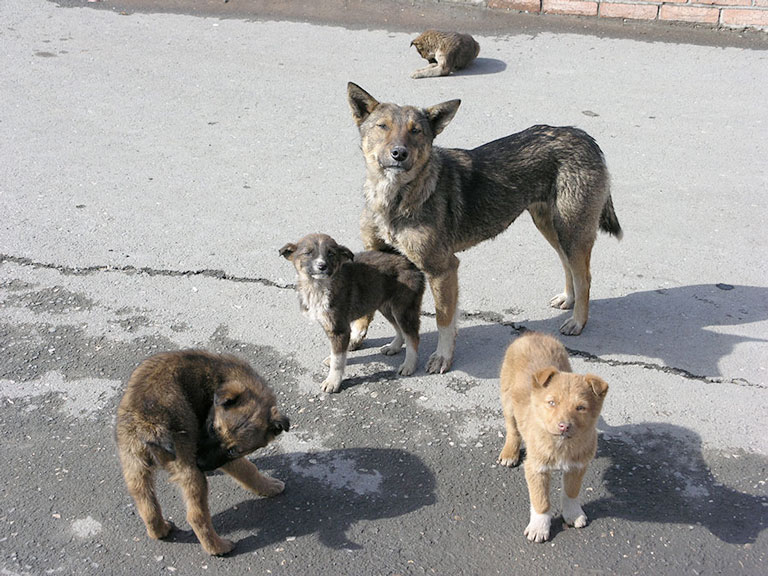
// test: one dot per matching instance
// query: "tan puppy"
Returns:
(555, 413)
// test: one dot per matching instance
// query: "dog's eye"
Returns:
(580, 408)
(233, 452)
(416, 130)
(381, 125)
(552, 403)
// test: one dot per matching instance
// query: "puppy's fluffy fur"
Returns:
(555, 413)
(336, 287)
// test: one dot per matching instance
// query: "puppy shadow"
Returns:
(327, 493)
(657, 473)
(483, 66)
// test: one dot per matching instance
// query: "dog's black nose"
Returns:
(399, 153)
(321, 265)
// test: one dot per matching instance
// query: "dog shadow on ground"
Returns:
(657, 473)
(327, 493)
(483, 66)
(678, 327)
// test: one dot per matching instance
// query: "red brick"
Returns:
(689, 14)
(572, 7)
(725, 2)
(520, 5)
(736, 17)
(630, 11)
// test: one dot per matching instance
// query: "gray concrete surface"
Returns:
(151, 165)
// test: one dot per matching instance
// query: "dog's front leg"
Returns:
(573, 514)
(538, 490)
(339, 345)
(445, 290)
(248, 476)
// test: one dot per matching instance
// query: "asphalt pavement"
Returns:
(154, 156)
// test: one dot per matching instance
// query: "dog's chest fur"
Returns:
(314, 296)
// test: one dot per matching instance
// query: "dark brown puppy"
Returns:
(445, 51)
(429, 203)
(335, 287)
(190, 411)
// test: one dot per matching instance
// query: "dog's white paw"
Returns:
(390, 350)
(562, 301)
(538, 527)
(438, 364)
(508, 462)
(571, 327)
(573, 514)
(331, 385)
(406, 368)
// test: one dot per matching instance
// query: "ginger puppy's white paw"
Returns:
(538, 527)
(573, 514)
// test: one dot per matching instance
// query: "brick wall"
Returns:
(726, 13)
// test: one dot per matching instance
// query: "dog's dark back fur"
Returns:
(196, 406)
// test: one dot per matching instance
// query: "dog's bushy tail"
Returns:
(609, 222)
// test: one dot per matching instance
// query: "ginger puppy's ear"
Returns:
(598, 385)
(543, 377)
(287, 251)
(345, 254)
(361, 103)
(441, 114)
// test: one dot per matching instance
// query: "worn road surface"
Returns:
(154, 156)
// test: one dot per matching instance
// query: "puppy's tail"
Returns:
(609, 222)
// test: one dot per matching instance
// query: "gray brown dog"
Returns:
(429, 203)
(445, 52)
(190, 411)
(336, 286)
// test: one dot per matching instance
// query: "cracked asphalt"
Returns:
(154, 156)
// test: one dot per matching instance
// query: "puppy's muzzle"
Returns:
(319, 269)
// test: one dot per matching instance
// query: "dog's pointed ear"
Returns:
(277, 422)
(542, 378)
(598, 385)
(361, 103)
(441, 114)
(346, 254)
(287, 251)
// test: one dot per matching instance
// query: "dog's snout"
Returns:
(564, 426)
(321, 265)
(399, 153)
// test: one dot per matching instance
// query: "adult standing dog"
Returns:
(429, 202)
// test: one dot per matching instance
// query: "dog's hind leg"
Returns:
(248, 476)
(396, 345)
(445, 291)
(139, 479)
(194, 487)
(578, 261)
(359, 330)
(542, 218)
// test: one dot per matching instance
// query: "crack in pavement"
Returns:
(491, 317)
